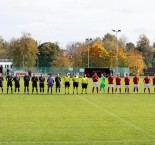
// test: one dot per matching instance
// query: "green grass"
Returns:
(96, 119)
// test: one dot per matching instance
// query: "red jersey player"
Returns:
(127, 83)
(153, 80)
(146, 83)
(118, 83)
(135, 81)
(95, 82)
(110, 83)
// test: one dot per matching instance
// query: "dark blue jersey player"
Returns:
(26, 83)
(41, 83)
(1, 81)
(34, 80)
(9, 80)
(58, 82)
(17, 83)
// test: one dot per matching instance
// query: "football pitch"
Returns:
(83, 119)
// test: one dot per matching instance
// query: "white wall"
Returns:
(6, 65)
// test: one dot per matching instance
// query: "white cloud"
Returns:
(74, 20)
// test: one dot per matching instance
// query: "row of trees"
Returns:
(100, 57)
(102, 52)
(26, 52)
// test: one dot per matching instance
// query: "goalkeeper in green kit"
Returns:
(102, 84)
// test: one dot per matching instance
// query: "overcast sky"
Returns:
(67, 21)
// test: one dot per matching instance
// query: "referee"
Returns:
(84, 83)
(67, 82)
(75, 80)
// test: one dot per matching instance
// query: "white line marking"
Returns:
(76, 142)
(116, 116)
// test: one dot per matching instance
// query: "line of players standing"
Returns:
(75, 79)
(41, 80)
(111, 78)
(27, 79)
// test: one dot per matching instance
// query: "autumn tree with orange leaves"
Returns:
(122, 58)
(135, 61)
(98, 56)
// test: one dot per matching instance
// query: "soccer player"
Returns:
(118, 83)
(34, 80)
(110, 83)
(26, 83)
(135, 81)
(7, 71)
(67, 82)
(95, 79)
(58, 82)
(50, 82)
(147, 83)
(153, 80)
(9, 80)
(17, 83)
(1, 69)
(41, 83)
(102, 84)
(127, 82)
(1, 82)
(84, 83)
(29, 72)
(75, 80)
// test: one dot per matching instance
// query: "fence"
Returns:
(47, 70)
(122, 70)
(61, 70)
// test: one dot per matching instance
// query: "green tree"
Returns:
(61, 60)
(1, 43)
(23, 51)
(3, 48)
(143, 45)
(130, 46)
(153, 60)
(47, 53)
(80, 56)
(122, 43)
(109, 41)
